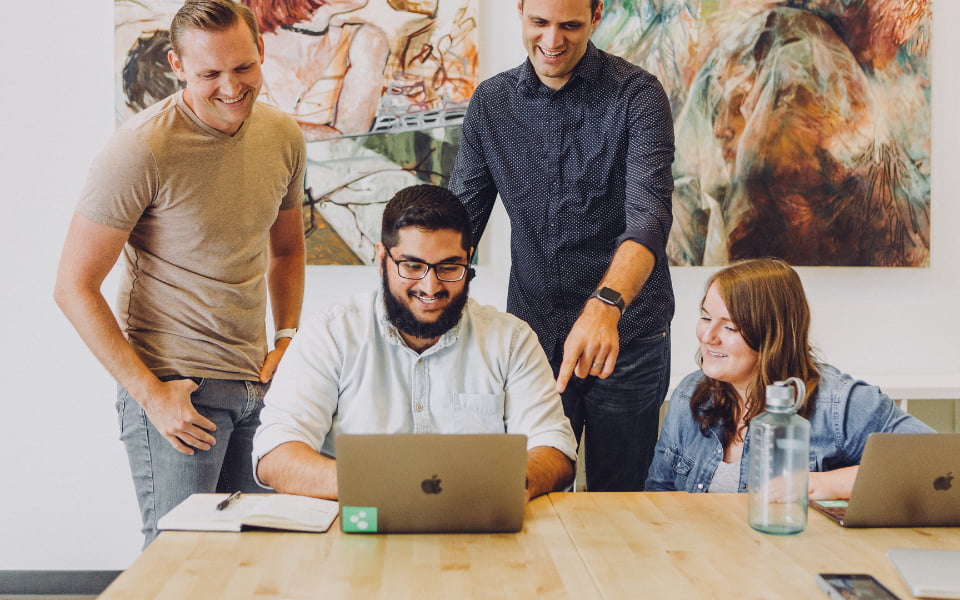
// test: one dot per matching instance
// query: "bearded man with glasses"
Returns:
(415, 356)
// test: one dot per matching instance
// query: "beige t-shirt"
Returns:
(199, 205)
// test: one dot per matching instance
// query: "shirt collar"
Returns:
(392, 334)
(589, 69)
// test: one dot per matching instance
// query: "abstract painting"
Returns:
(378, 87)
(802, 126)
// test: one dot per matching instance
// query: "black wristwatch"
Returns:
(610, 296)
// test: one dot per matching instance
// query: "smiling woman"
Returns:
(754, 330)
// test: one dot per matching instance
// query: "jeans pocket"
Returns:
(122, 397)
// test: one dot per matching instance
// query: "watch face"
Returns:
(609, 296)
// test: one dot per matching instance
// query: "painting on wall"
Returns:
(802, 126)
(378, 87)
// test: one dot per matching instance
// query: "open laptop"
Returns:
(905, 480)
(419, 483)
(928, 573)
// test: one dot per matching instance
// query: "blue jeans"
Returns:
(621, 414)
(164, 477)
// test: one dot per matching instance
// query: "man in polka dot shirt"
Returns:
(578, 144)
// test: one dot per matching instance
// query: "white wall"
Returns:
(66, 500)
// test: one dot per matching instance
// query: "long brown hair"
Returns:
(765, 299)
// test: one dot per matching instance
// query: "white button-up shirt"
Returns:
(349, 371)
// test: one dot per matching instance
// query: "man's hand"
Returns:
(174, 416)
(593, 344)
(272, 361)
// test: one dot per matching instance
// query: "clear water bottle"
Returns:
(779, 467)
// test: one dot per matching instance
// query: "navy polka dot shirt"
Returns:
(579, 170)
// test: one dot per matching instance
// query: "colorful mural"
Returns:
(803, 126)
(379, 88)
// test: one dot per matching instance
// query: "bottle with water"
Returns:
(779, 462)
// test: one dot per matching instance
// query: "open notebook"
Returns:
(905, 480)
(416, 483)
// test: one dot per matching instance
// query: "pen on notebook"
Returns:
(226, 501)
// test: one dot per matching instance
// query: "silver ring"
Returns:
(597, 365)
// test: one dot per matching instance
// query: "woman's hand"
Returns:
(832, 485)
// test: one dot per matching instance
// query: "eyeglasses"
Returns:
(413, 269)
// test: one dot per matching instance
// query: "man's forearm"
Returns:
(629, 269)
(296, 468)
(285, 270)
(89, 253)
(91, 316)
(548, 470)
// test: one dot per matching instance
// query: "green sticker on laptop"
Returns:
(358, 519)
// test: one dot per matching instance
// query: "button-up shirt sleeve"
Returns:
(470, 179)
(532, 405)
(303, 397)
(649, 176)
(847, 412)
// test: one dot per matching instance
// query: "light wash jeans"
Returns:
(164, 477)
(621, 414)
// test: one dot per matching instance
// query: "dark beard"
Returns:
(404, 320)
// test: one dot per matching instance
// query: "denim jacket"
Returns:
(845, 412)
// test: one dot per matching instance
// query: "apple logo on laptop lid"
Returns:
(431, 486)
(944, 482)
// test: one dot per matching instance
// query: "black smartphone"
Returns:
(858, 586)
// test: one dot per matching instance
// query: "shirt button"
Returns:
(699, 486)
(419, 408)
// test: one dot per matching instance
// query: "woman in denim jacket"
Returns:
(753, 330)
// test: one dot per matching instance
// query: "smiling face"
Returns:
(725, 354)
(555, 35)
(222, 73)
(423, 309)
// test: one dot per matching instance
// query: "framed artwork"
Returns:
(802, 126)
(379, 88)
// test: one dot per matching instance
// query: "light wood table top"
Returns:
(679, 545)
(573, 545)
(538, 562)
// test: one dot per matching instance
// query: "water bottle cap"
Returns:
(780, 395)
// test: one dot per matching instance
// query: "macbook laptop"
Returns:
(419, 483)
(928, 573)
(905, 480)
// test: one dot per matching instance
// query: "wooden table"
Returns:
(538, 562)
(577, 545)
(679, 545)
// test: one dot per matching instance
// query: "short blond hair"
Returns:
(210, 15)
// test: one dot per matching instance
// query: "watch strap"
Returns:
(602, 294)
(284, 333)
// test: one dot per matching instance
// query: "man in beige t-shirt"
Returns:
(201, 195)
